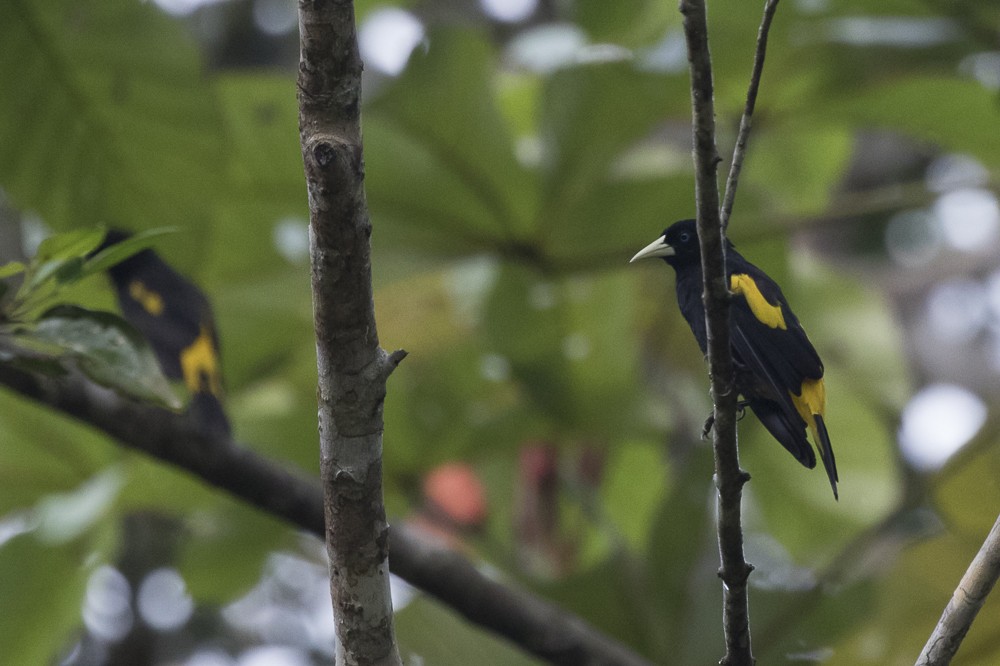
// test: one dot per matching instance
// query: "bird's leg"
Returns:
(741, 410)
(706, 430)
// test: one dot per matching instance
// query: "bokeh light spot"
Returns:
(937, 422)
(957, 310)
(387, 38)
(107, 604)
(509, 11)
(163, 600)
(970, 219)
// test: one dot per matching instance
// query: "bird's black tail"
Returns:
(790, 432)
(826, 452)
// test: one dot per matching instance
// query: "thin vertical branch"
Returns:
(965, 603)
(352, 367)
(744, 133)
(729, 478)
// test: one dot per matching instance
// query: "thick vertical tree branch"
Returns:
(729, 478)
(744, 133)
(965, 603)
(353, 369)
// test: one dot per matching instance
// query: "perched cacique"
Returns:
(777, 370)
(176, 318)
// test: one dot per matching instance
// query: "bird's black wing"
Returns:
(773, 356)
(761, 313)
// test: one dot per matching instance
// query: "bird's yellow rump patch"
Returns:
(811, 402)
(765, 312)
(150, 301)
(200, 364)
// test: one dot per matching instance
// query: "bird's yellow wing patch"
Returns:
(765, 312)
(150, 301)
(200, 364)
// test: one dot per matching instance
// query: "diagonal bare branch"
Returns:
(532, 623)
(969, 597)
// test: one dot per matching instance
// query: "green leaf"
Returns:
(563, 341)
(11, 268)
(209, 569)
(794, 164)
(107, 349)
(121, 251)
(69, 245)
(65, 516)
(424, 154)
(594, 173)
(633, 489)
(525, 324)
(44, 452)
(22, 349)
(422, 624)
(959, 115)
(41, 592)
(629, 22)
(123, 126)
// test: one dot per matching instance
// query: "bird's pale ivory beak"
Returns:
(657, 248)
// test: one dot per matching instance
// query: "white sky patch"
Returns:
(953, 171)
(993, 293)
(402, 593)
(984, 67)
(291, 238)
(895, 31)
(668, 55)
(937, 422)
(969, 218)
(212, 657)
(182, 7)
(289, 606)
(509, 11)
(274, 655)
(163, 600)
(275, 17)
(912, 238)
(957, 310)
(107, 606)
(387, 38)
(546, 48)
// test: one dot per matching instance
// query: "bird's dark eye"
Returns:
(685, 237)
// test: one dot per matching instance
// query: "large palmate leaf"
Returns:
(106, 118)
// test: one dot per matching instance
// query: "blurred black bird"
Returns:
(778, 372)
(176, 318)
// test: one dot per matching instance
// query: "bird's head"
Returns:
(678, 245)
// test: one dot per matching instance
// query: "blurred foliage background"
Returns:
(546, 422)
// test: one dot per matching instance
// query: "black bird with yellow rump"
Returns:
(777, 370)
(176, 318)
